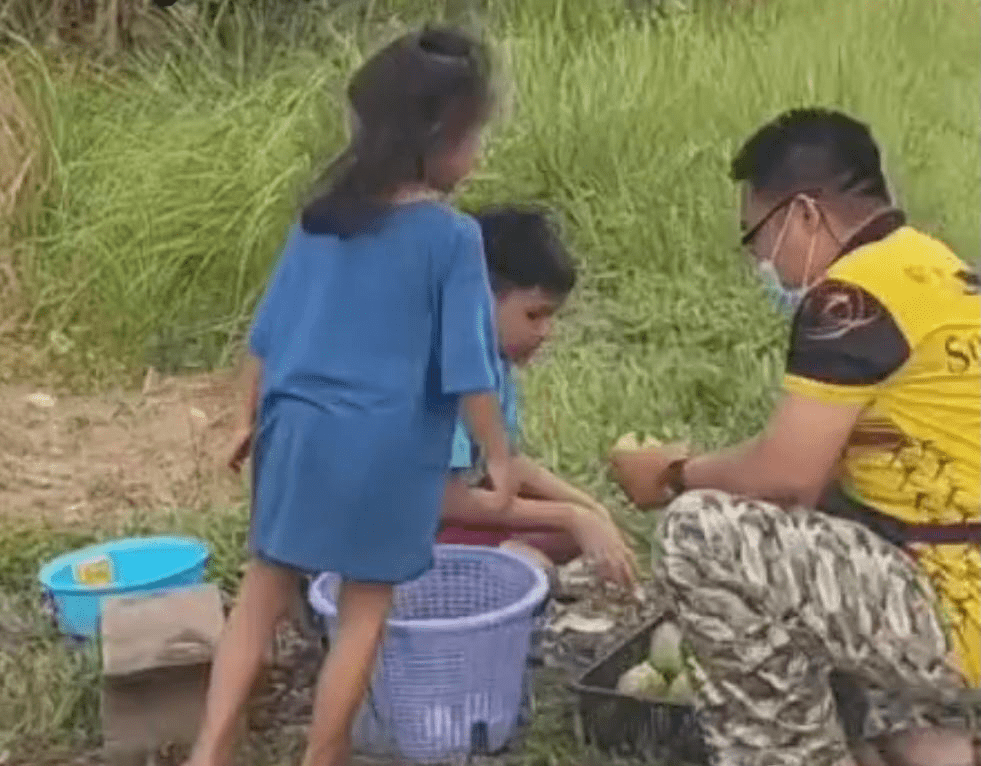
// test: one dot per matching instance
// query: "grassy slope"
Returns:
(177, 187)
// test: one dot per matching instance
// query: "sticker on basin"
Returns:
(94, 572)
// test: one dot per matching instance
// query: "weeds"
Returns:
(172, 184)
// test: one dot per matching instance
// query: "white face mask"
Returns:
(788, 299)
(785, 299)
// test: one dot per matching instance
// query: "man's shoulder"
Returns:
(844, 335)
(905, 261)
(916, 278)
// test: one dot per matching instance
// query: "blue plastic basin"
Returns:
(139, 564)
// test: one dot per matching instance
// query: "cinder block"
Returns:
(156, 656)
(150, 632)
(141, 715)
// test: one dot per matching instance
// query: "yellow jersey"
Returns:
(895, 326)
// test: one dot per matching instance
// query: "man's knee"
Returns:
(693, 526)
(686, 518)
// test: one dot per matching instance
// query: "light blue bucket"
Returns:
(133, 565)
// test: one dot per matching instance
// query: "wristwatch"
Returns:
(674, 476)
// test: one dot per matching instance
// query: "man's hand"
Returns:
(641, 472)
(241, 446)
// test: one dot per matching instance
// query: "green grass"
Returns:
(176, 183)
(48, 690)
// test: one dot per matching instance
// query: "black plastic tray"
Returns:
(630, 727)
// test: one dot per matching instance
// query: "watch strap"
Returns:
(675, 476)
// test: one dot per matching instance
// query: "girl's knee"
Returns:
(267, 591)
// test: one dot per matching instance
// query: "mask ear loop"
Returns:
(775, 252)
(811, 247)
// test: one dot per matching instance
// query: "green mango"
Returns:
(642, 681)
(666, 655)
(681, 691)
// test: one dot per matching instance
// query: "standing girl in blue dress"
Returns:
(375, 327)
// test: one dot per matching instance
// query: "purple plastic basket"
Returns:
(450, 678)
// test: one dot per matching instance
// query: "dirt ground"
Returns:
(78, 458)
(96, 458)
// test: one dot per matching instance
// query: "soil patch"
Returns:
(77, 458)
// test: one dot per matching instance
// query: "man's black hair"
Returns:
(812, 150)
(524, 250)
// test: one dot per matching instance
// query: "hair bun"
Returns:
(448, 45)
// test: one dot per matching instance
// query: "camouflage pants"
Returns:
(774, 605)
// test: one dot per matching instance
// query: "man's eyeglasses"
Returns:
(750, 234)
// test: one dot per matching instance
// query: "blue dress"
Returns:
(366, 346)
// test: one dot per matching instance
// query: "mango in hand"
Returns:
(632, 441)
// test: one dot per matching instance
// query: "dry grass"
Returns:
(25, 170)
(25, 164)
(103, 28)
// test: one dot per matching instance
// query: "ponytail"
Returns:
(402, 100)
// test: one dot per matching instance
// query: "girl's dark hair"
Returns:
(425, 88)
(524, 250)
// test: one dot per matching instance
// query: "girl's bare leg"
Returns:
(344, 679)
(263, 601)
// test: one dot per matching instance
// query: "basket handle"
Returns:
(539, 610)
(479, 739)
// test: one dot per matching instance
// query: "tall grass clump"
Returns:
(102, 29)
(25, 171)
(164, 191)
(178, 184)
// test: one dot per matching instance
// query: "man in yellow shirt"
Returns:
(848, 634)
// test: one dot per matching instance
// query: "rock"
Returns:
(41, 400)
(579, 624)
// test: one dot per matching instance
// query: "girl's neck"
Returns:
(410, 193)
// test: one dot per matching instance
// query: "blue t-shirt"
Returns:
(366, 346)
(466, 454)
(380, 312)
